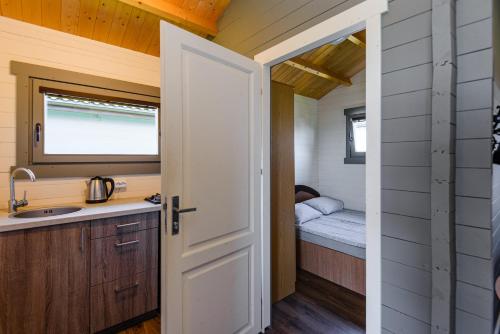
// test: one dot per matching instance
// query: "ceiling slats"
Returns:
(133, 24)
(317, 72)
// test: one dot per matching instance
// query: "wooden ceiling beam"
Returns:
(320, 71)
(176, 14)
(353, 39)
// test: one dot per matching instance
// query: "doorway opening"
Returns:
(365, 16)
(318, 198)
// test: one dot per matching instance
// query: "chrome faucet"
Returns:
(13, 203)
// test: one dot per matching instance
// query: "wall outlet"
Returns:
(121, 185)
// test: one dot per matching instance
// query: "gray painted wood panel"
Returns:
(473, 153)
(475, 66)
(249, 27)
(473, 212)
(409, 253)
(406, 178)
(406, 302)
(274, 30)
(474, 124)
(407, 55)
(475, 300)
(409, 30)
(413, 154)
(406, 228)
(406, 203)
(416, 128)
(406, 277)
(472, 37)
(467, 323)
(397, 322)
(474, 270)
(473, 241)
(407, 80)
(402, 9)
(407, 105)
(474, 95)
(471, 11)
(473, 182)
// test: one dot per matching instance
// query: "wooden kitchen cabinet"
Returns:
(44, 280)
(79, 277)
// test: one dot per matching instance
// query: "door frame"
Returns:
(367, 14)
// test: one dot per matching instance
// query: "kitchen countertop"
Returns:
(112, 208)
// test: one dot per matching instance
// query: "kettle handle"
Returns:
(112, 182)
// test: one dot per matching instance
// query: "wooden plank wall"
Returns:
(283, 255)
(406, 159)
(249, 27)
(37, 45)
(474, 295)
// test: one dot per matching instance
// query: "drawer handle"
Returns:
(135, 285)
(133, 242)
(127, 225)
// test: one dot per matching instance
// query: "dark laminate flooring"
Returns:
(318, 306)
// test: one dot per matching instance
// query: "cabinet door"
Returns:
(44, 280)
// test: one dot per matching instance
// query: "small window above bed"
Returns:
(355, 135)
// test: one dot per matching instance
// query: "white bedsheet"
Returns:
(345, 226)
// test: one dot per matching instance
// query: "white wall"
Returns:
(306, 141)
(37, 45)
(336, 179)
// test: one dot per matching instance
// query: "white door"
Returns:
(211, 140)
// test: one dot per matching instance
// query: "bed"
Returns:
(333, 246)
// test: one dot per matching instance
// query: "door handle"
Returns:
(176, 211)
(184, 210)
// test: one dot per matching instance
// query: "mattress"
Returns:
(343, 231)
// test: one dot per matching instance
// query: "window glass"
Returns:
(84, 126)
(359, 134)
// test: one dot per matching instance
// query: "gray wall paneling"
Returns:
(406, 162)
(474, 295)
(442, 175)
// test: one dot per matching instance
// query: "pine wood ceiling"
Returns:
(132, 24)
(317, 72)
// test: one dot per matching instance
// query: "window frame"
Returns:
(351, 156)
(34, 80)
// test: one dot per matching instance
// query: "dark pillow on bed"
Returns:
(305, 213)
(325, 205)
(303, 193)
(302, 196)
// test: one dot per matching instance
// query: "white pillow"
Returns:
(325, 205)
(304, 213)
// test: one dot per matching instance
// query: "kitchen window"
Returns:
(88, 126)
(355, 135)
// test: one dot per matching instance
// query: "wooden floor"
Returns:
(317, 306)
(152, 326)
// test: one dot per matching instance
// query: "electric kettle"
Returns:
(98, 191)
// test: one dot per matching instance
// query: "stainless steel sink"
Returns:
(46, 212)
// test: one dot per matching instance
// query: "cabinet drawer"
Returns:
(107, 227)
(123, 255)
(123, 299)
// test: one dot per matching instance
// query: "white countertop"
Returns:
(112, 208)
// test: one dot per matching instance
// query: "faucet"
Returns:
(13, 203)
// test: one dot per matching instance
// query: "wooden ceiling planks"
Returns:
(341, 61)
(123, 23)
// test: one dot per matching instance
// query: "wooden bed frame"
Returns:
(340, 268)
